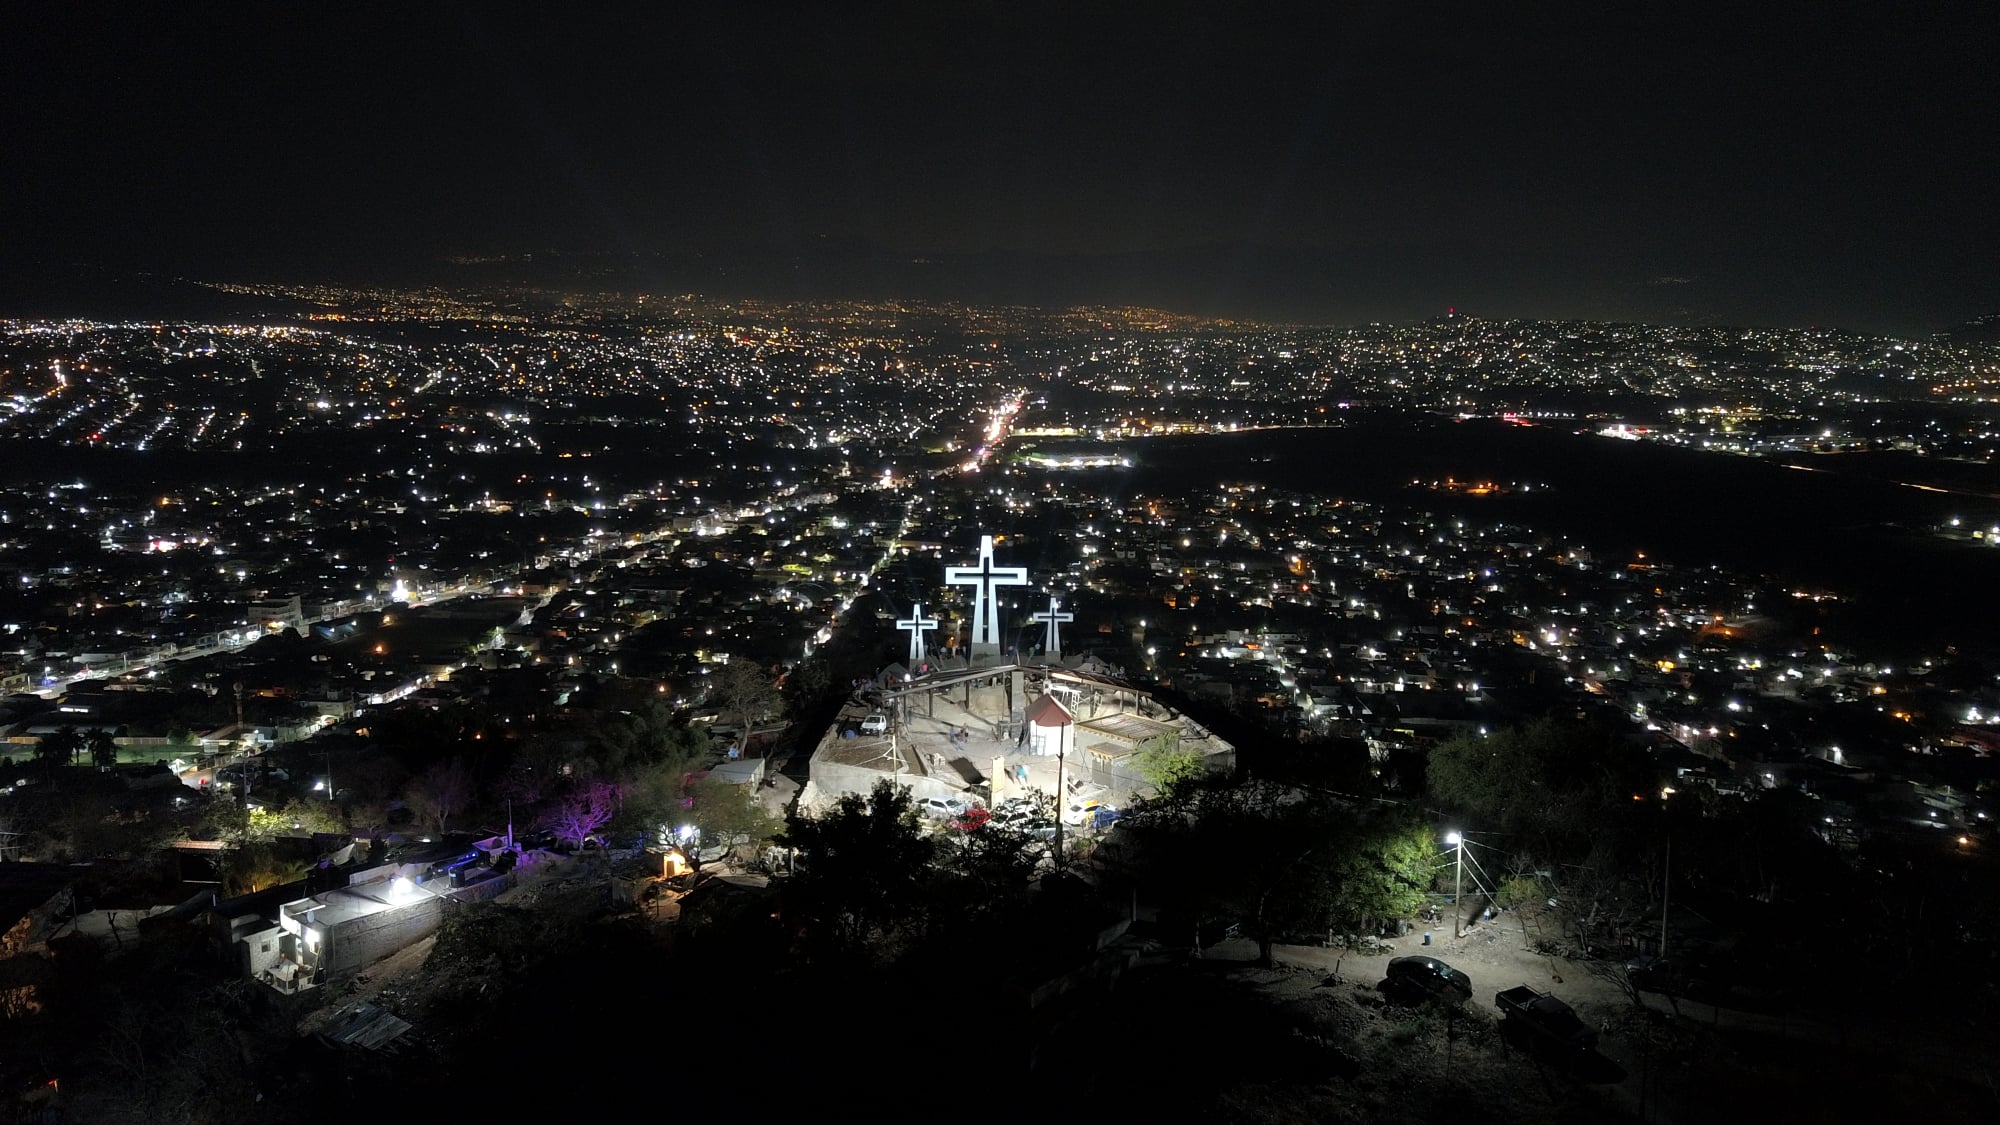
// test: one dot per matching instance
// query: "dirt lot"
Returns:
(1310, 1046)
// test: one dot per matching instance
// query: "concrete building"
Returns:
(322, 936)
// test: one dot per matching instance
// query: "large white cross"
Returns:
(983, 578)
(1052, 641)
(915, 625)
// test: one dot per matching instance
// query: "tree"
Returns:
(807, 685)
(860, 875)
(311, 816)
(103, 749)
(1261, 854)
(725, 813)
(746, 693)
(374, 779)
(255, 867)
(218, 818)
(537, 771)
(260, 824)
(978, 876)
(89, 824)
(166, 1052)
(1385, 873)
(652, 734)
(1762, 848)
(1162, 763)
(1294, 847)
(57, 748)
(582, 812)
(442, 792)
(655, 800)
(1552, 785)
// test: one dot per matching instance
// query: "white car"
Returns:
(1026, 823)
(1085, 811)
(944, 806)
(878, 723)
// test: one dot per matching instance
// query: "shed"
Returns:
(740, 771)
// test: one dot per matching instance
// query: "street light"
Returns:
(1666, 879)
(1457, 843)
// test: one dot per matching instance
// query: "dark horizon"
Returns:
(1774, 167)
(86, 290)
(1245, 284)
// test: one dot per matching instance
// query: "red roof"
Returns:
(1047, 712)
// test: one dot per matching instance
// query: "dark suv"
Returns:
(1415, 979)
(1676, 977)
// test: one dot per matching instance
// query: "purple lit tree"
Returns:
(585, 810)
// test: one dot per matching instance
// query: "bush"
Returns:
(1515, 890)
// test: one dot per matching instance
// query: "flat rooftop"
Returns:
(348, 903)
(1127, 726)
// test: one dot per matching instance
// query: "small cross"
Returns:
(915, 625)
(1054, 618)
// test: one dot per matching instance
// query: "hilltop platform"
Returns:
(960, 732)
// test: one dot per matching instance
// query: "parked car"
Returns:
(1418, 978)
(1028, 822)
(944, 806)
(877, 723)
(1676, 977)
(455, 864)
(1544, 1018)
(1084, 811)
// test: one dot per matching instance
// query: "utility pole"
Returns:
(1667, 880)
(1061, 793)
(1457, 841)
(1667, 895)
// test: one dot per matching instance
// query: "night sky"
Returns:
(1750, 163)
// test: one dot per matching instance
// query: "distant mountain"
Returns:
(1335, 286)
(1248, 282)
(1396, 283)
(58, 290)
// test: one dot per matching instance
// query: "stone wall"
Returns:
(829, 780)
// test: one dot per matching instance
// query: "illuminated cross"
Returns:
(1052, 642)
(985, 606)
(915, 626)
